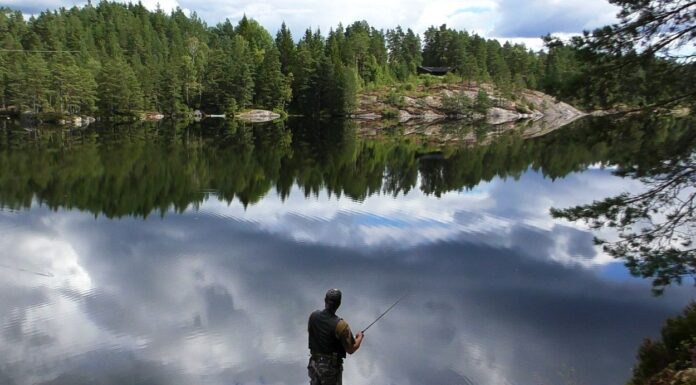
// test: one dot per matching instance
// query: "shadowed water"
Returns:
(163, 254)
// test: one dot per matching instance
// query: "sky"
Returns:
(514, 20)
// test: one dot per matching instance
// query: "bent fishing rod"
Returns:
(385, 312)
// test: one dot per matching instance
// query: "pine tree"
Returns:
(119, 90)
(286, 48)
(170, 93)
(271, 85)
(35, 83)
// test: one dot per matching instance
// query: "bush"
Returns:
(522, 109)
(283, 114)
(390, 113)
(429, 80)
(232, 108)
(675, 351)
(457, 104)
(51, 117)
(483, 102)
(451, 78)
(395, 99)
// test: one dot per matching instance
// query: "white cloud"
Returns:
(504, 19)
(497, 213)
(223, 294)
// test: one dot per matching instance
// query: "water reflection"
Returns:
(137, 170)
(202, 298)
(220, 293)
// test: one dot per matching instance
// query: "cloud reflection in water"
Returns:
(501, 293)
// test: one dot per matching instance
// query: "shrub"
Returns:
(395, 98)
(51, 117)
(232, 108)
(676, 350)
(390, 113)
(483, 102)
(429, 80)
(451, 78)
(283, 114)
(522, 109)
(457, 104)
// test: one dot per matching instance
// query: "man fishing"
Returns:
(330, 338)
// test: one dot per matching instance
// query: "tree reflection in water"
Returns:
(498, 296)
(656, 226)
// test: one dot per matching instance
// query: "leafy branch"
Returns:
(656, 228)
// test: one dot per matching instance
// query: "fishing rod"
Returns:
(385, 312)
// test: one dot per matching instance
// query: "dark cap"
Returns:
(333, 296)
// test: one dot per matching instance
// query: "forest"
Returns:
(118, 60)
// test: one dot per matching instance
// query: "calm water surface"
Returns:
(164, 254)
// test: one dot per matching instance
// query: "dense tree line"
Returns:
(115, 59)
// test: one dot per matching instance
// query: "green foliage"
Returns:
(654, 226)
(180, 64)
(390, 113)
(118, 89)
(451, 78)
(34, 84)
(674, 351)
(51, 117)
(232, 108)
(286, 49)
(283, 114)
(395, 98)
(429, 80)
(154, 167)
(637, 62)
(75, 87)
(483, 102)
(272, 87)
(457, 104)
(522, 109)
(173, 63)
(171, 101)
(404, 52)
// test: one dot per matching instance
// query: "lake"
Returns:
(193, 253)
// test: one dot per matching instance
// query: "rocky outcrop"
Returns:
(498, 121)
(497, 115)
(428, 104)
(152, 116)
(257, 116)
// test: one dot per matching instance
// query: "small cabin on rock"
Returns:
(437, 71)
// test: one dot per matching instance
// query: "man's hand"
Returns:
(358, 340)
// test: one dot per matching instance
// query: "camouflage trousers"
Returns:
(325, 371)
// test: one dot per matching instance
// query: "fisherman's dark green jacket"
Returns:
(329, 334)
